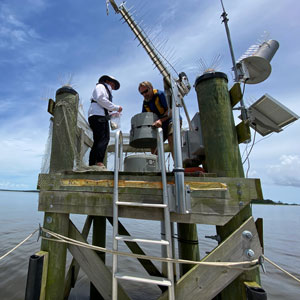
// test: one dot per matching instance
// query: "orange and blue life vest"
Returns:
(158, 104)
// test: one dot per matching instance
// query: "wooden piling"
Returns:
(99, 239)
(188, 247)
(62, 158)
(63, 149)
(222, 155)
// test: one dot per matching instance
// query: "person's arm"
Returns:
(101, 96)
(167, 115)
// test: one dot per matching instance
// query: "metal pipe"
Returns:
(191, 128)
(236, 79)
(118, 141)
(178, 166)
(167, 221)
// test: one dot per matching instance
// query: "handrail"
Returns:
(167, 221)
(118, 165)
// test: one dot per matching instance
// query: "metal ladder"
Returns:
(116, 274)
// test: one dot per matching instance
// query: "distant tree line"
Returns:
(269, 201)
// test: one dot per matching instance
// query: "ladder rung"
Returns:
(149, 279)
(142, 204)
(139, 240)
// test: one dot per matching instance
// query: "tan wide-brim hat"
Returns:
(110, 78)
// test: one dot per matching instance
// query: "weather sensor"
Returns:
(254, 66)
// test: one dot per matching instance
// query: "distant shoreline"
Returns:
(30, 191)
(271, 202)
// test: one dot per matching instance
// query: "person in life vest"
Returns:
(155, 101)
(98, 118)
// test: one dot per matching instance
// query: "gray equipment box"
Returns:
(193, 149)
(142, 134)
(141, 163)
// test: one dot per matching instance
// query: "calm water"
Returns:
(19, 217)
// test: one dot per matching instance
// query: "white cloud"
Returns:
(12, 185)
(22, 145)
(13, 30)
(287, 171)
(194, 29)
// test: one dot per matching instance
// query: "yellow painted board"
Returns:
(141, 184)
(252, 284)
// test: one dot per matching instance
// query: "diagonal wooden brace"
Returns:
(205, 282)
(97, 272)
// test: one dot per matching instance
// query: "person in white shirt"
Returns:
(98, 117)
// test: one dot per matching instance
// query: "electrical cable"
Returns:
(253, 143)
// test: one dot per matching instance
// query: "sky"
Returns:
(46, 44)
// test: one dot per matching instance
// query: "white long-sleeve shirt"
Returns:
(100, 95)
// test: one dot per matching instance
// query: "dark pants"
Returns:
(100, 128)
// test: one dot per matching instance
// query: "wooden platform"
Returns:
(214, 200)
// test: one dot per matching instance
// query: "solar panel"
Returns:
(268, 115)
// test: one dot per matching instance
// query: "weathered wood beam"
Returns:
(243, 132)
(213, 200)
(205, 282)
(235, 94)
(74, 266)
(94, 268)
(135, 248)
(99, 239)
(56, 222)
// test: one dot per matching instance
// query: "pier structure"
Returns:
(220, 197)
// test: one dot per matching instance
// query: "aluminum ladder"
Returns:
(116, 274)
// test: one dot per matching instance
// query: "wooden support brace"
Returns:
(243, 132)
(260, 230)
(97, 272)
(135, 248)
(235, 94)
(205, 282)
(51, 106)
(74, 266)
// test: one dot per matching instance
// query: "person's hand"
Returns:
(120, 109)
(157, 124)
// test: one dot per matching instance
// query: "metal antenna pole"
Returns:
(225, 21)
(176, 99)
(236, 76)
(144, 41)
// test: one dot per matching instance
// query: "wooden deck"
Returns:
(214, 200)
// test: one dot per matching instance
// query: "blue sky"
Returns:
(46, 44)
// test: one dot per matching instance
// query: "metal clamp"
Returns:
(214, 237)
(261, 261)
(40, 232)
(172, 199)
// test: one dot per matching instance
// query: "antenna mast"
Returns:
(143, 39)
(177, 89)
(236, 75)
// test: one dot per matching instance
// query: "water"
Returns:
(19, 217)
